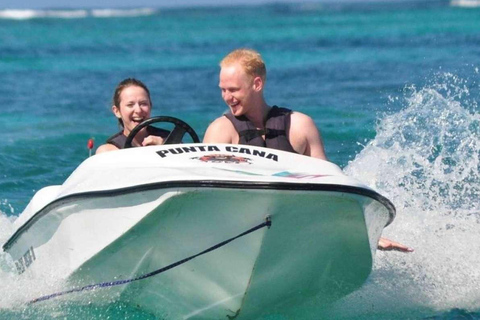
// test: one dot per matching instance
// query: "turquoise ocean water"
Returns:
(393, 88)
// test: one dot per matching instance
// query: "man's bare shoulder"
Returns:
(305, 136)
(221, 130)
(300, 119)
(221, 122)
(301, 124)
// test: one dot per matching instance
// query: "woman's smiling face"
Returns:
(135, 107)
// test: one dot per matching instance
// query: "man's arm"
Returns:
(220, 131)
(388, 245)
(305, 136)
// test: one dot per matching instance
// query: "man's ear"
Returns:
(257, 84)
(116, 112)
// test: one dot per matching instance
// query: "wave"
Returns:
(426, 158)
(30, 14)
(465, 3)
(26, 14)
(427, 154)
(107, 13)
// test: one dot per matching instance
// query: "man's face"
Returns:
(237, 89)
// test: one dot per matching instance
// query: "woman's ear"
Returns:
(116, 112)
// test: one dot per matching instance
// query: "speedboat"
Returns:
(203, 231)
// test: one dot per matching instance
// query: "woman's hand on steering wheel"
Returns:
(176, 135)
(152, 140)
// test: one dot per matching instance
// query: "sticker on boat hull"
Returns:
(298, 175)
(223, 158)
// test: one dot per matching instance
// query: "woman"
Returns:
(132, 105)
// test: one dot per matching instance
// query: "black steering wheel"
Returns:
(175, 136)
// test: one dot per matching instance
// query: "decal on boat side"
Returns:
(239, 149)
(25, 261)
(298, 175)
(226, 158)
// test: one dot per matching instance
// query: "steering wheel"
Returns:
(175, 136)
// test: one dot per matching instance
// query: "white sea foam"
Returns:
(18, 14)
(107, 13)
(427, 155)
(465, 3)
(31, 14)
(7, 274)
(25, 14)
(17, 292)
(426, 159)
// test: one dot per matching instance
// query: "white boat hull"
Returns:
(317, 230)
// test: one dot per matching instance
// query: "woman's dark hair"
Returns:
(125, 84)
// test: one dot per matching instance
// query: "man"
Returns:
(252, 121)
(242, 79)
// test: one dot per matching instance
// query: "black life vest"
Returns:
(118, 140)
(278, 120)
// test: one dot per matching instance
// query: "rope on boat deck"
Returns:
(266, 223)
